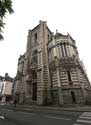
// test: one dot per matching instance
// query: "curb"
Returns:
(43, 110)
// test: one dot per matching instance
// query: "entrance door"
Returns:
(34, 91)
(73, 97)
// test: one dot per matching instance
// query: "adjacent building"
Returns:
(6, 86)
(50, 71)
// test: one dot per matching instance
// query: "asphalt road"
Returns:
(13, 117)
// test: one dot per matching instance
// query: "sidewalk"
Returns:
(75, 108)
(49, 109)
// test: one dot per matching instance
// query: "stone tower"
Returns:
(33, 67)
(50, 71)
(68, 78)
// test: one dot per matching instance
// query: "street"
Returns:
(13, 117)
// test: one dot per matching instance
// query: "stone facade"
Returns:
(50, 71)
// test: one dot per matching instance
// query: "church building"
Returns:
(50, 71)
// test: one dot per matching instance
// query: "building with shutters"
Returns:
(50, 71)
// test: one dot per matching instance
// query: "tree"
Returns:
(5, 7)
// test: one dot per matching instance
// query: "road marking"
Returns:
(85, 117)
(9, 110)
(84, 121)
(26, 113)
(56, 117)
(77, 124)
(2, 117)
(86, 114)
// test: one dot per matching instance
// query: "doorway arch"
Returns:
(73, 97)
(34, 91)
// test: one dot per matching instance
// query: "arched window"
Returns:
(69, 77)
(35, 38)
(65, 49)
(62, 50)
(35, 56)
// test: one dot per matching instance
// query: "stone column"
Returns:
(43, 85)
(59, 89)
(59, 85)
(40, 77)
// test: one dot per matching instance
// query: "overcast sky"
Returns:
(73, 16)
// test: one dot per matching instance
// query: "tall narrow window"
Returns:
(69, 76)
(48, 37)
(35, 56)
(65, 49)
(62, 50)
(57, 52)
(35, 38)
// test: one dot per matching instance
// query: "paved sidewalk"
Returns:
(77, 108)
(49, 109)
